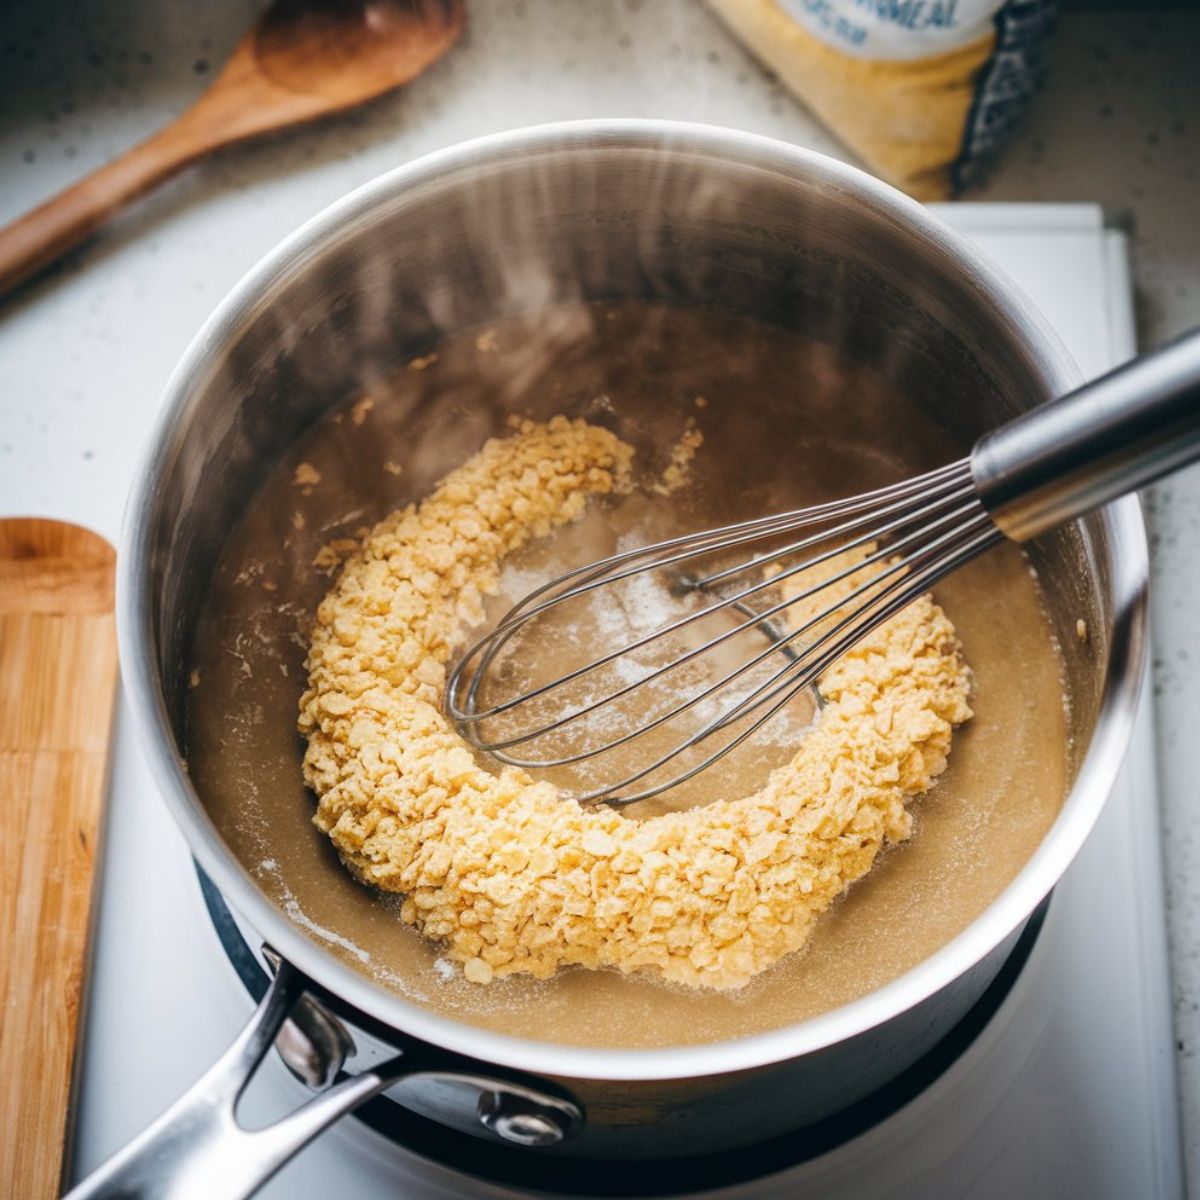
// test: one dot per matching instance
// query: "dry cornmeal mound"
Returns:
(511, 876)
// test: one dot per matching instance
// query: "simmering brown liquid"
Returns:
(786, 423)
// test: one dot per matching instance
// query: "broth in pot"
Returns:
(784, 423)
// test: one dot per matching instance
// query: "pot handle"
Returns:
(198, 1149)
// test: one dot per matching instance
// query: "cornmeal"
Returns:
(513, 877)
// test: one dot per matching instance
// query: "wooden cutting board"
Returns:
(58, 669)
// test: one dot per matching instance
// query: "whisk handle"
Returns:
(1109, 437)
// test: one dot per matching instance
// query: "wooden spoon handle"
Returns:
(38, 238)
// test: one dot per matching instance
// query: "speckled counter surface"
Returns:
(84, 353)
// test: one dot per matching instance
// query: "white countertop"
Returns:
(84, 354)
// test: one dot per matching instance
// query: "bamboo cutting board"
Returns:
(58, 667)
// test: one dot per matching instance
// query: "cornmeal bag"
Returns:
(923, 91)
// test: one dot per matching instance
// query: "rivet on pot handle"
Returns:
(197, 1150)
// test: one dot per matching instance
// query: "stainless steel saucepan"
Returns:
(498, 226)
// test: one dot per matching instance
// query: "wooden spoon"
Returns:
(302, 60)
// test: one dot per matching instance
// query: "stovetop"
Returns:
(1068, 1090)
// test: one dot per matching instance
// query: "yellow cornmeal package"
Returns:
(923, 91)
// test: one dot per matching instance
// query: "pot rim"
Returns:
(1081, 807)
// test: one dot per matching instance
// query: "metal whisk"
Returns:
(856, 562)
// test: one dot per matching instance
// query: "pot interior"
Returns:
(835, 346)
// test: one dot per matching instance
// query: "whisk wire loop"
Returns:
(776, 642)
(897, 542)
(601, 574)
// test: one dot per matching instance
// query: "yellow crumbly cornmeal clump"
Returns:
(512, 876)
